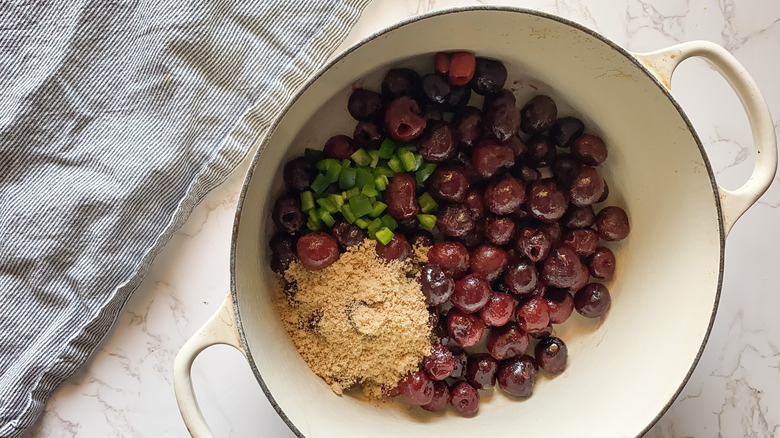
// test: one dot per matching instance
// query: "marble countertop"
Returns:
(126, 389)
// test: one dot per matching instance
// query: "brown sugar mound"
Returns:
(360, 321)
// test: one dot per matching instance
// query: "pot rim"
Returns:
(446, 11)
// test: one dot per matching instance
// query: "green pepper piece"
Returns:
(360, 205)
(386, 149)
(374, 158)
(389, 222)
(408, 162)
(424, 172)
(320, 183)
(328, 205)
(378, 208)
(384, 235)
(381, 182)
(427, 204)
(427, 221)
(361, 157)
(346, 210)
(362, 223)
(363, 177)
(369, 190)
(347, 178)
(307, 201)
(395, 164)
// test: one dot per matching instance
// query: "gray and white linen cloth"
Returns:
(116, 118)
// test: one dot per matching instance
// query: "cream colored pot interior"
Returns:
(622, 371)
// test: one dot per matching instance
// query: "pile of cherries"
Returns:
(517, 238)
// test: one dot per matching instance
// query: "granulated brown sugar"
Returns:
(358, 321)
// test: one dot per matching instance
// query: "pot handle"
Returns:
(733, 202)
(219, 329)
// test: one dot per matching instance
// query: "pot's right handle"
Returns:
(733, 202)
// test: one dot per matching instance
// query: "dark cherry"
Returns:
(417, 388)
(589, 149)
(282, 252)
(553, 230)
(432, 113)
(533, 314)
(364, 104)
(526, 173)
(468, 125)
(464, 398)
(533, 244)
(593, 300)
(461, 359)
(502, 97)
(401, 82)
(317, 251)
(436, 88)
(454, 220)
(562, 267)
(339, 147)
(538, 114)
(583, 241)
(560, 304)
(542, 332)
(506, 341)
(437, 287)
(458, 98)
(449, 183)
(551, 354)
(502, 120)
(433, 319)
(440, 363)
(499, 230)
(583, 276)
(488, 261)
(504, 196)
(565, 130)
(488, 157)
(441, 397)
(441, 62)
(579, 217)
(546, 201)
(475, 202)
(452, 257)
(403, 120)
(604, 195)
(287, 214)
(612, 223)
(516, 376)
(541, 151)
(518, 146)
(368, 134)
(396, 249)
(489, 76)
(419, 238)
(299, 173)
(498, 310)
(472, 292)
(475, 238)
(464, 328)
(462, 67)
(520, 276)
(481, 371)
(602, 263)
(347, 235)
(564, 170)
(587, 187)
(400, 196)
(438, 142)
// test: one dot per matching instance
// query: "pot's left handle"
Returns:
(221, 328)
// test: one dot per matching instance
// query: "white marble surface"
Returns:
(126, 389)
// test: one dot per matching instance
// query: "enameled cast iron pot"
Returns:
(624, 372)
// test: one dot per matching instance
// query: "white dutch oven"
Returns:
(624, 372)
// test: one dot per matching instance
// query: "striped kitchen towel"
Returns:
(116, 118)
